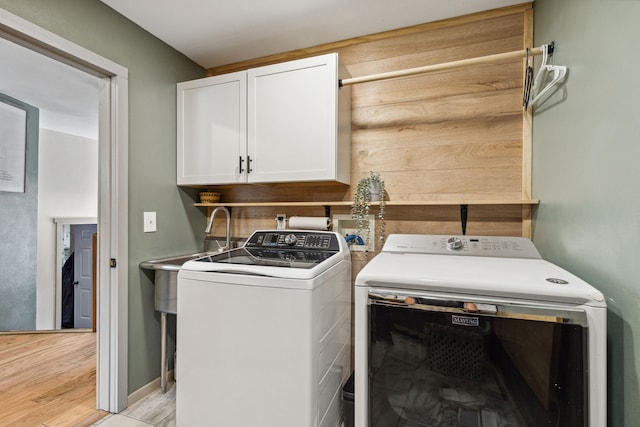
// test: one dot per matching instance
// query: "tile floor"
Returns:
(156, 409)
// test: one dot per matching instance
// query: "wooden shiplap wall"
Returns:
(458, 135)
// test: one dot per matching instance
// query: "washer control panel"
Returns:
(296, 239)
(488, 246)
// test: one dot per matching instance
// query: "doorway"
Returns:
(76, 294)
(112, 262)
(67, 194)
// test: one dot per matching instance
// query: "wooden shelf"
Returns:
(388, 203)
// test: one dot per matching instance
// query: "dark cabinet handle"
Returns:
(240, 164)
(249, 163)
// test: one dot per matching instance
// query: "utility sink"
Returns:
(171, 263)
(166, 272)
(166, 279)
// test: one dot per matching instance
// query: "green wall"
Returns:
(154, 69)
(586, 171)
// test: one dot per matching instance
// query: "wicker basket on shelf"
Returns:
(209, 197)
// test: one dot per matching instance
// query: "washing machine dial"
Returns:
(290, 239)
(454, 243)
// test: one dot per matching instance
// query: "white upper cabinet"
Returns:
(212, 130)
(298, 128)
(287, 122)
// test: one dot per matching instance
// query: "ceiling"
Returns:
(66, 97)
(215, 32)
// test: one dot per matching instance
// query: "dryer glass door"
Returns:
(436, 362)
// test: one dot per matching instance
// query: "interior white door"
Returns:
(83, 285)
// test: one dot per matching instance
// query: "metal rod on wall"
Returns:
(481, 60)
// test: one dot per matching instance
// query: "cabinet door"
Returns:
(212, 137)
(292, 120)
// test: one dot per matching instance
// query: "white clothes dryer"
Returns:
(265, 333)
(476, 331)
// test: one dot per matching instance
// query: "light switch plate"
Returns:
(149, 222)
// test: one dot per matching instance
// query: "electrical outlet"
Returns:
(149, 222)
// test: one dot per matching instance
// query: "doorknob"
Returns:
(76, 283)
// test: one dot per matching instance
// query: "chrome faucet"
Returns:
(210, 223)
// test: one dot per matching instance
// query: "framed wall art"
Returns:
(13, 147)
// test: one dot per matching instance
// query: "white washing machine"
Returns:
(265, 333)
(476, 331)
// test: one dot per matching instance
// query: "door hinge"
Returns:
(112, 263)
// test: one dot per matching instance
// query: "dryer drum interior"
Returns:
(434, 362)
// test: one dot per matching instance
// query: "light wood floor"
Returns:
(48, 379)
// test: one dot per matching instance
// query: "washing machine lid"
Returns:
(484, 266)
(292, 254)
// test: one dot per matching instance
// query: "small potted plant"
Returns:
(369, 189)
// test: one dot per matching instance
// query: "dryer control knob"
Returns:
(290, 239)
(454, 243)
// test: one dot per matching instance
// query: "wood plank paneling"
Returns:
(480, 131)
(444, 136)
(417, 58)
(440, 157)
(438, 85)
(454, 39)
(452, 108)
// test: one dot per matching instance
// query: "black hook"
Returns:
(551, 47)
(463, 218)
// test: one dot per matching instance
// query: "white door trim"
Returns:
(113, 195)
